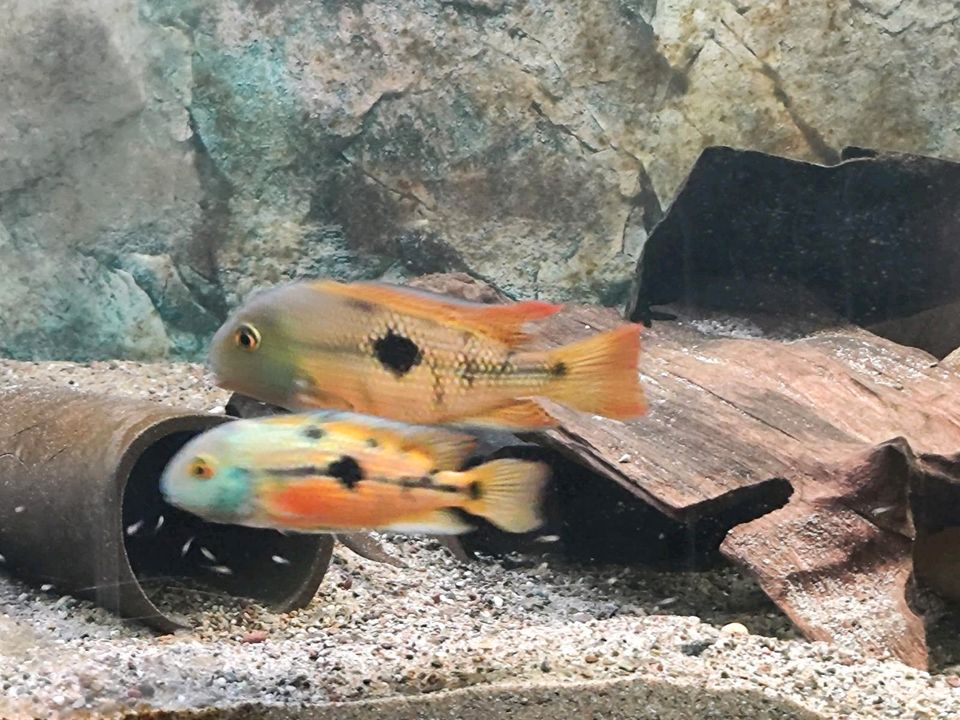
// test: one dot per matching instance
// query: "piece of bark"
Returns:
(837, 558)
(829, 413)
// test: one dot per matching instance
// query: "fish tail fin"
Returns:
(599, 375)
(507, 493)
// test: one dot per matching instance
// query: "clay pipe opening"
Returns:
(80, 510)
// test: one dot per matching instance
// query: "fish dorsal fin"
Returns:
(499, 322)
(447, 449)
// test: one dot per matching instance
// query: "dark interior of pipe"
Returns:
(263, 565)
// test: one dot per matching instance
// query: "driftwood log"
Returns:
(865, 432)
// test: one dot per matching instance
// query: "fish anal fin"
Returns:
(436, 522)
(526, 414)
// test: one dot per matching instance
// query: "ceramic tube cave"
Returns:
(80, 507)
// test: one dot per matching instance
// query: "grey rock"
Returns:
(200, 150)
(57, 299)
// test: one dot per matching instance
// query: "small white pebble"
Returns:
(667, 601)
(186, 547)
(220, 569)
(734, 629)
(159, 524)
(883, 510)
(207, 554)
(279, 560)
(19, 509)
(548, 539)
(625, 458)
(134, 528)
(46, 587)
(497, 601)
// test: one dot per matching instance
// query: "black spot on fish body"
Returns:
(475, 489)
(314, 433)
(397, 353)
(372, 443)
(347, 471)
(425, 482)
(559, 370)
(298, 471)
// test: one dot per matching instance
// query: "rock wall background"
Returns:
(160, 159)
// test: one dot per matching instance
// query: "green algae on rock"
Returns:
(241, 143)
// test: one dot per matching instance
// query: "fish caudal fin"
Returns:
(507, 493)
(599, 375)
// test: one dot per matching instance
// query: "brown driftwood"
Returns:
(852, 421)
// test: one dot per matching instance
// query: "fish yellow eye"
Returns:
(247, 337)
(200, 469)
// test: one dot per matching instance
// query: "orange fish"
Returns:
(333, 472)
(419, 357)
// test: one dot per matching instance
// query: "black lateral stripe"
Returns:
(417, 483)
(413, 483)
(297, 471)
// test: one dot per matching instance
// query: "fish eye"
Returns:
(200, 469)
(247, 337)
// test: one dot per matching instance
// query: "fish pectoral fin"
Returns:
(500, 322)
(524, 414)
(315, 400)
(435, 522)
(507, 492)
